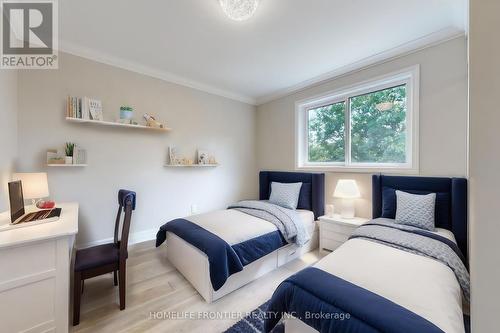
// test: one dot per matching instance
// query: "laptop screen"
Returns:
(16, 200)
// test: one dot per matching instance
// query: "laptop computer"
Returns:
(18, 213)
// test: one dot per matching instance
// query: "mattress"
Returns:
(307, 218)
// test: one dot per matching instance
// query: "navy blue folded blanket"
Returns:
(330, 304)
(224, 259)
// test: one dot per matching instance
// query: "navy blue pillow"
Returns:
(442, 211)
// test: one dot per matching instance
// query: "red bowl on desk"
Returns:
(45, 204)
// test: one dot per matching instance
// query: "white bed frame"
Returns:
(193, 264)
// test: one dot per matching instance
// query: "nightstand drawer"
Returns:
(329, 244)
(337, 228)
(336, 236)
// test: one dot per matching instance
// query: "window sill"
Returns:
(351, 169)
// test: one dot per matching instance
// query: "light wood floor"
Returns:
(153, 284)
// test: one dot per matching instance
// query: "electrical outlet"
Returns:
(194, 209)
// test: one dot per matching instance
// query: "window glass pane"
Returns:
(326, 127)
(378, 126)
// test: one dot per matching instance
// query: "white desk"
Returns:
(34, 273)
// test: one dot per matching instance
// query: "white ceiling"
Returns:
(287, 44)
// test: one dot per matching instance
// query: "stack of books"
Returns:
(84, 108)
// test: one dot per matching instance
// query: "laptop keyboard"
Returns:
(40, 215)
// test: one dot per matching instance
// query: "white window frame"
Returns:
(408, 76)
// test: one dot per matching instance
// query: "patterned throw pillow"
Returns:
(285, 194)
(415, 209)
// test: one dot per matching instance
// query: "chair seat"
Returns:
(97, 256)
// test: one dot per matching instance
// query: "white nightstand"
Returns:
(334, 231)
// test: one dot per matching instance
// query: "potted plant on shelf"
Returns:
(126, 114)
(69, 148)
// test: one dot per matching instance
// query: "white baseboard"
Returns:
(134, 238)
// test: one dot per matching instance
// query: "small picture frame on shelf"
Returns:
(203, 157)
(95, 109)
(55, 157)
(173, 156)
(79, 155)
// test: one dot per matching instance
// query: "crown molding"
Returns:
(402, 50)
(90, 54)
(391, 54)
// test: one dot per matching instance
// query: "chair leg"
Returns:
(122, 273)
(77, 290)
(115, 278)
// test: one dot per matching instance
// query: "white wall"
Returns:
(484, 55)
(134, 159)
(443, 117)
(8, 132)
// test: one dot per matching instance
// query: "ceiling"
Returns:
(284, 46)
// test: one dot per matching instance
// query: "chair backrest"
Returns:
(126, 201)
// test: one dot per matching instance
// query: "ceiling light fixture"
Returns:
(239, 10)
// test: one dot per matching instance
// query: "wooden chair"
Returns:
(106, 258)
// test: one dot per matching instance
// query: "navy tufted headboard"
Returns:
(312, 192)
(451, 200)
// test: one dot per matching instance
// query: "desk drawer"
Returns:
(19, 262)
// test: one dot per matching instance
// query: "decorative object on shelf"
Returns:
(35, 185)
(55, 157)
(68, 149)
(173, 156)
(203, 157)
(175, 160)
(347, 190)
(126, 114)
(70, 155)
(239, 10)
(95, 109)
(84, 108)
(152, 122)
(79, 155)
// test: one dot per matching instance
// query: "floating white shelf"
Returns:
(67, 165)
(111, 123)
(191, 165)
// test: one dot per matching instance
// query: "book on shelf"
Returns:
(84, 108)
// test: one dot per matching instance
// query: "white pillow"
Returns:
(416, 209)
(285, 194)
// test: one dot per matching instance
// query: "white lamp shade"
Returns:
(35, 185)
(347, 189)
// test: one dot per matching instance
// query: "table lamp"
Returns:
(35, 185)
(347, 190)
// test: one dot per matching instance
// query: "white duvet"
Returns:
(235, 227)
(420, 284)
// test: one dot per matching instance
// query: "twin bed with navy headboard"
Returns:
(388, 277)
(223, 250)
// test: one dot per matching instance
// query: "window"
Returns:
(368, 127)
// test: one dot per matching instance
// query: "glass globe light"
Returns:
(239, 10)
